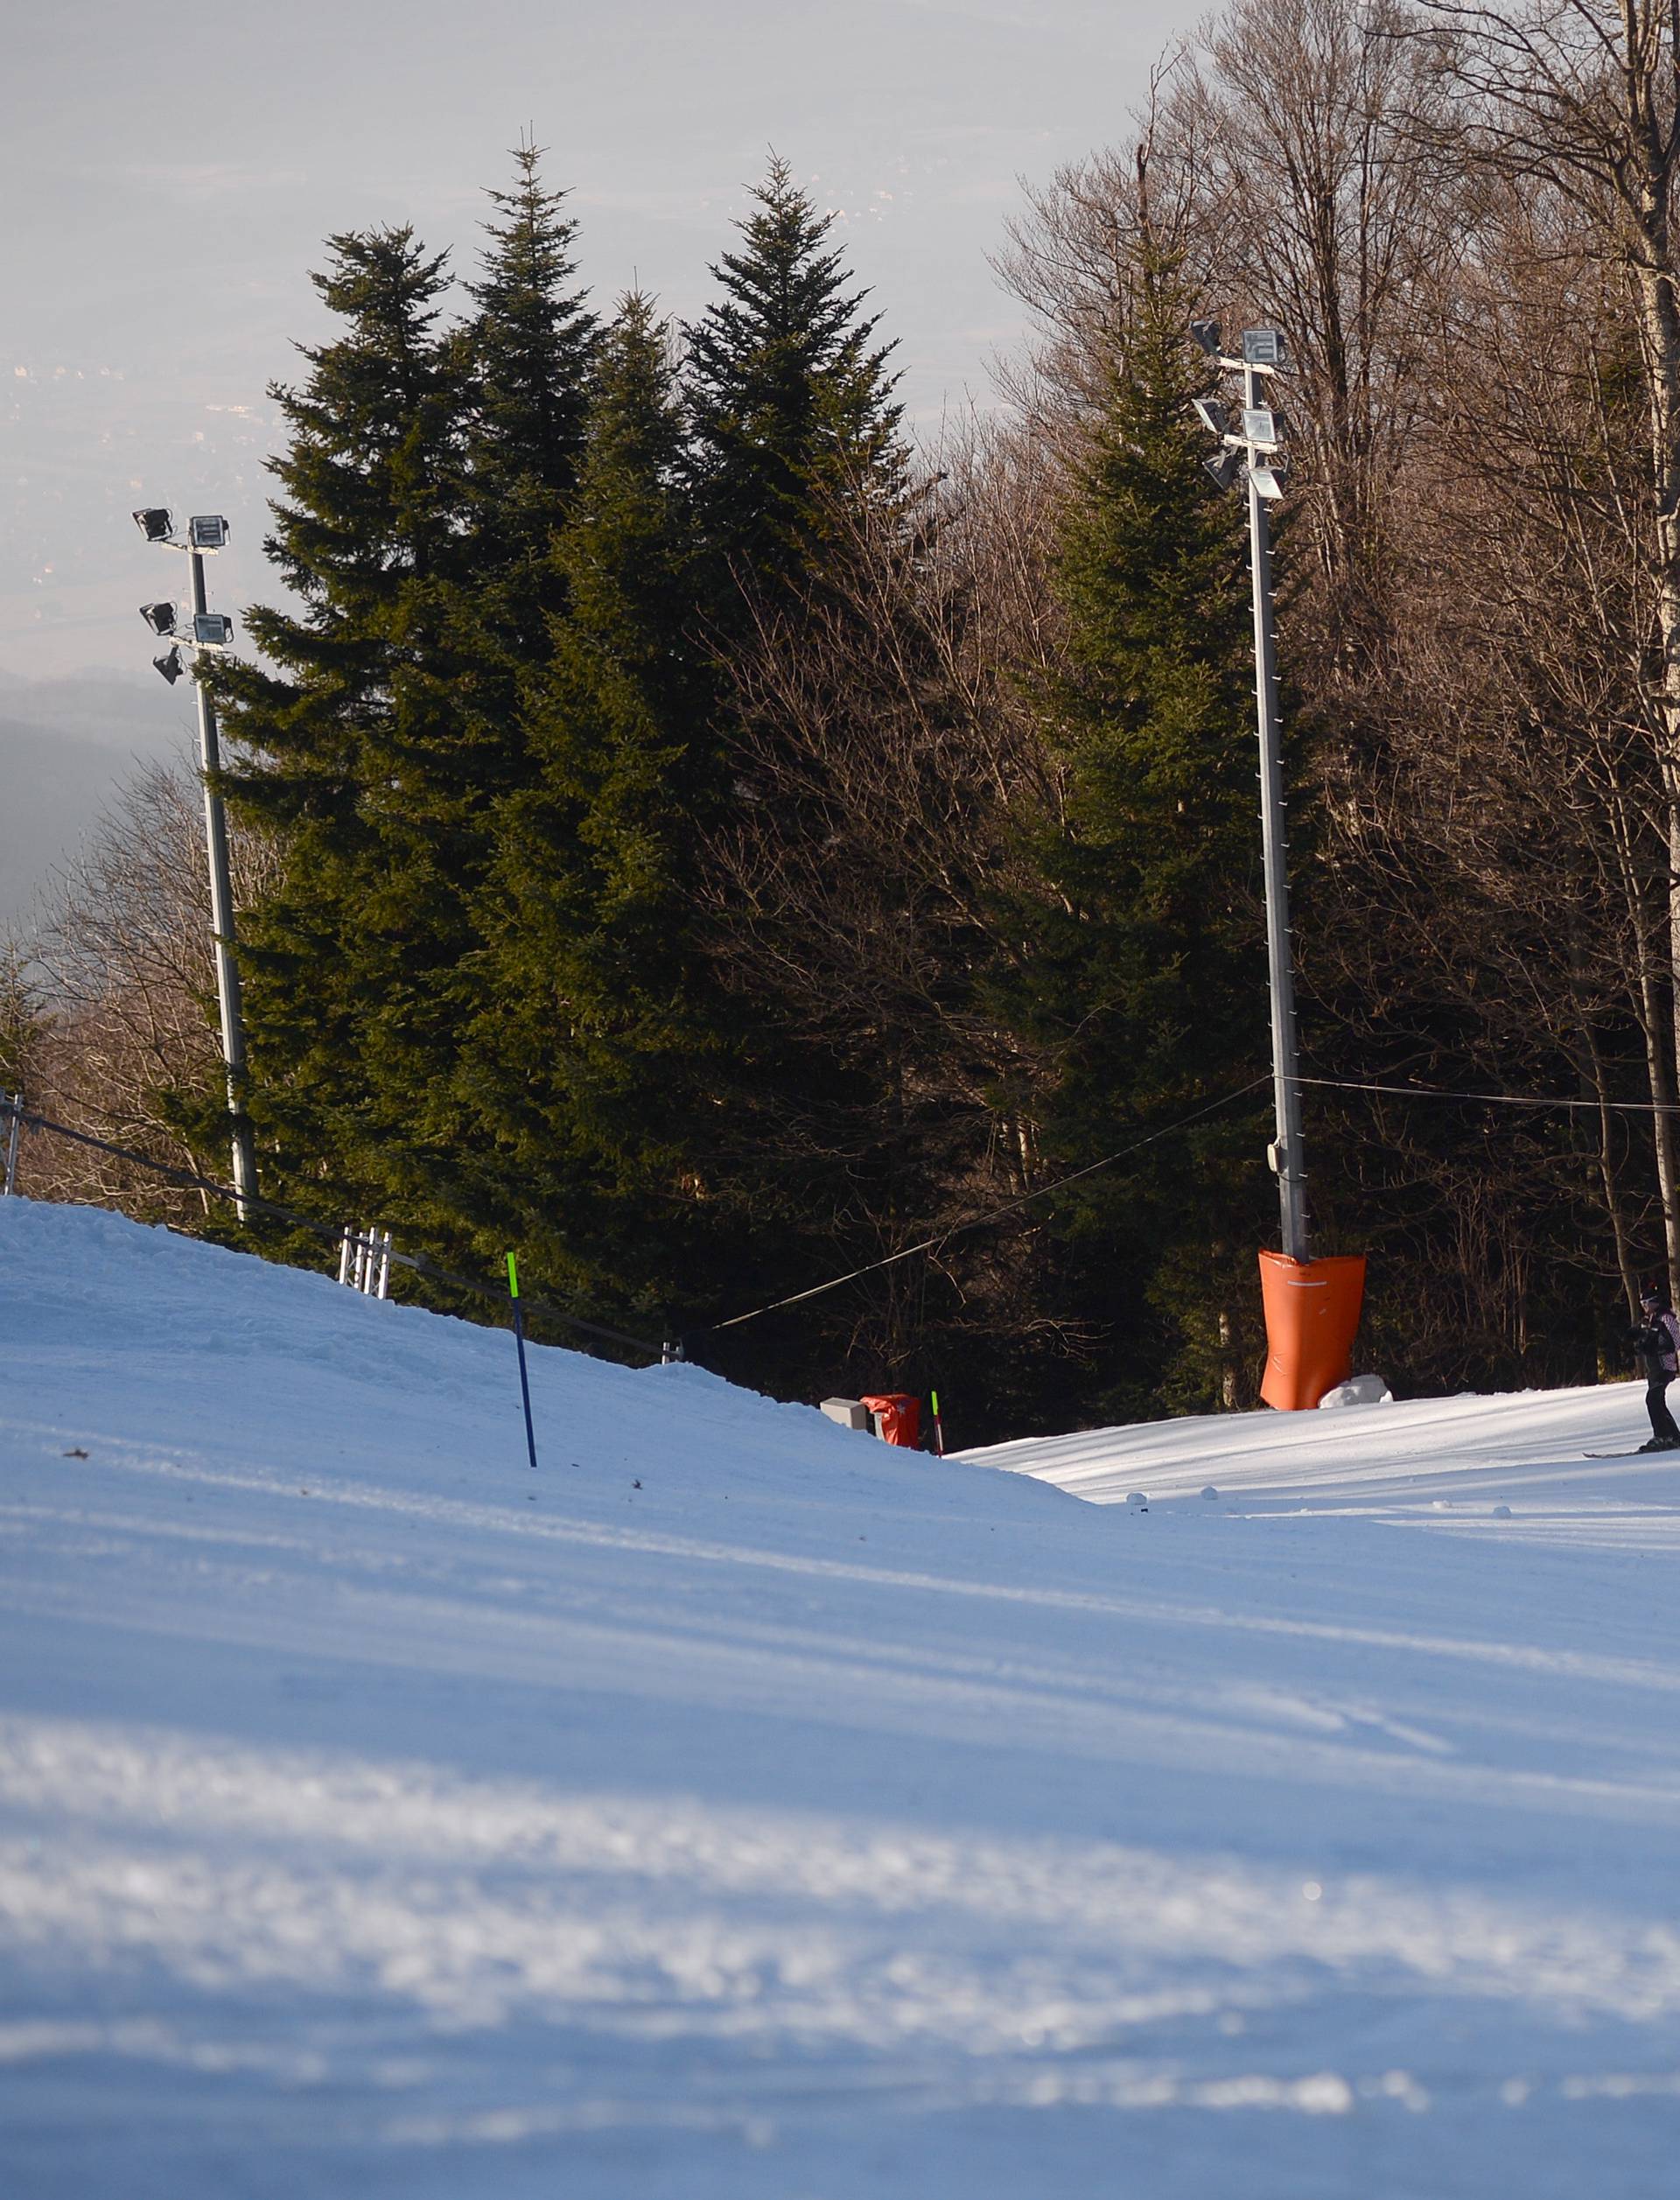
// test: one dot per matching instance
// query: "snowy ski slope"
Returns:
(739, 1810)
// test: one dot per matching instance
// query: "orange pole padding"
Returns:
(897, 1416)
(1311, 1315)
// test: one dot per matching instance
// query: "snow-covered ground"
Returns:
(739, 1810)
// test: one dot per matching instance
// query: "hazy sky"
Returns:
(170, 177)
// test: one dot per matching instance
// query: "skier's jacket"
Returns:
(1658, 1345)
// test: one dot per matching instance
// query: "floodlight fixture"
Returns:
(1261, 427)
(156, 523)
(1211, 414)
(1264, 347)
(1268, 483)
(170, 664)
(207, 531)
(1223, 468)
(159, 617)
(211, 630)
(1207, 335)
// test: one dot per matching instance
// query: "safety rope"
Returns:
(421, 1264)
(1494, 1099)
(992, 1214)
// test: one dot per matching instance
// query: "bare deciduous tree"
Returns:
(882, 743)
(121, 958)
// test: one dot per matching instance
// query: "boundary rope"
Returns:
(420, 1263)
(995, 1213)
(1495, 1099)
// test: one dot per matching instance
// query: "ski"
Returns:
(1638, 1452)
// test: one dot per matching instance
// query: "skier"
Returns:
(1657, 1341)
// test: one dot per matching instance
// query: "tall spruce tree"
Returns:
(526, 358)
(532, 345)
(427, 472)
(593, 1041)
(350, 751)
(795, 438)
(1139, 980)
(790, 400)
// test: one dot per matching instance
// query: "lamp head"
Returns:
(159, 617)
(170, 664)
(156, 524)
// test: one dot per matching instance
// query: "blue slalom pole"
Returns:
(519, 1339)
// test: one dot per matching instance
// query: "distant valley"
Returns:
(66, 748)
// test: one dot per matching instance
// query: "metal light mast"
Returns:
(1256, 453)
(206, 534)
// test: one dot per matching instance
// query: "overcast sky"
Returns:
(170, 176)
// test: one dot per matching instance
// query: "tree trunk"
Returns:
(1650, 1009)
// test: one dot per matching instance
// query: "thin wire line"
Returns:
(1494, 1099)
(957, 1230)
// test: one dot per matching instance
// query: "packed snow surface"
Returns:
(738, 1809)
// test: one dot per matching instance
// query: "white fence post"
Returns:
(13, 1128)
(365, 1260)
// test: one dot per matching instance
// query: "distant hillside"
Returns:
(65, 747)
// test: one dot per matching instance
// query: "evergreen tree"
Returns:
(532, 347)
(350, 752)
(794, 449)
(427, 472)
(526, 358)
(791, 403)
(594, 1036)
(1138, 980)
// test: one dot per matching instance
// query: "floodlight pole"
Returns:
(1288, 1157)
(222, 920)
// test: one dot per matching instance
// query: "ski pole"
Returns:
(939, 1426)
(519, 1339)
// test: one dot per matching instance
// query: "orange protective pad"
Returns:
(1311, 1314)
(899, 1416)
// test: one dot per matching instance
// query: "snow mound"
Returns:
(737, 1808)
(1359, 1389)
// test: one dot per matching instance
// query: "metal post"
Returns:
(384, 1266)
(1288, 1156)
(16, 1107)
(344, 1256)
(221, 923)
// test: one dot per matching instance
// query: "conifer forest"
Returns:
(693, 831)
